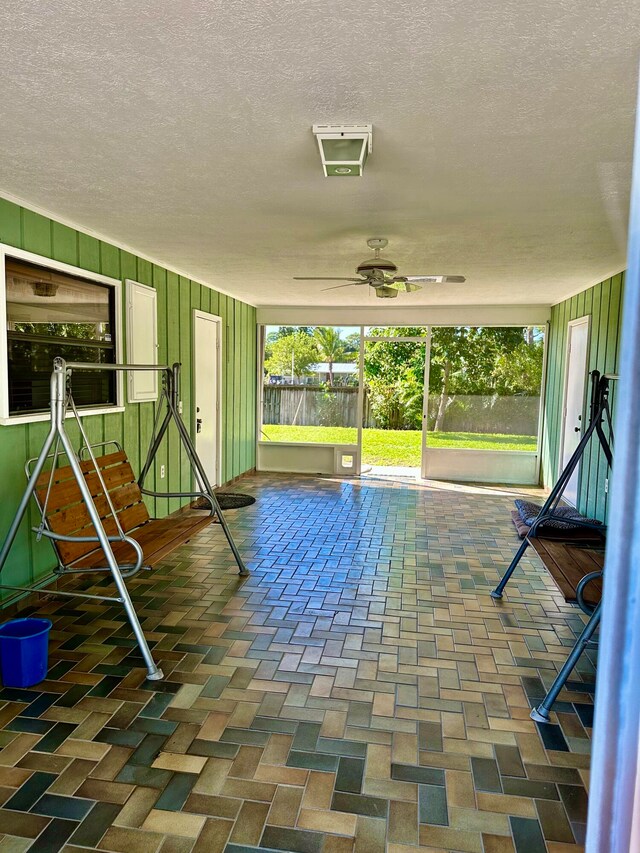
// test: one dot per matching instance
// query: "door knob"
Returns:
(576, 429)
(198, 424)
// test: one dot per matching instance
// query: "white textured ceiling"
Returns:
(501, 150)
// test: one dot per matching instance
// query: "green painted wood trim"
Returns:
(603, 305)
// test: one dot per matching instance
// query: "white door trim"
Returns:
(543, 401)
(579, 321)
(425, 406)
(204, 315)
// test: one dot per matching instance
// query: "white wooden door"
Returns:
(206, 361)
(574, 399)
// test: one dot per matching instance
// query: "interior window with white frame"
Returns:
(51, 313)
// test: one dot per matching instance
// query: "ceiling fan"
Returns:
(380, 274)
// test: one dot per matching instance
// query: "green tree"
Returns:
(292, 355)
(285, 331)
(330, 346)
(352, 346)
(394, 375)
(481, 361)
(85, 331)
(465, 360)
(282, 332)
(520, 371)
(448, 345)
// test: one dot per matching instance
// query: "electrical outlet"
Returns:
(162, 472)
(606, 486)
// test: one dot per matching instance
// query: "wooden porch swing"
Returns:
(92, 509)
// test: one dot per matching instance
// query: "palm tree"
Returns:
(330, 346)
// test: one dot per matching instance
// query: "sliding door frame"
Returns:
(413, 339)
(425, 406)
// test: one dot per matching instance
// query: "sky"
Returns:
(344, 330)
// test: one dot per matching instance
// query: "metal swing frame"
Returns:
(61, 400)
(599, 413)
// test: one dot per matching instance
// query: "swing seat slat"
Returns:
(158, 538)
(67, 514)
(568, 562)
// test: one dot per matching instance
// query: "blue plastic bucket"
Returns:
(24, 651)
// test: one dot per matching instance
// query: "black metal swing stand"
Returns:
(599, 414)
(104, 526)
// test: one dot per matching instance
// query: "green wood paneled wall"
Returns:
(603, 303)
(177, 297)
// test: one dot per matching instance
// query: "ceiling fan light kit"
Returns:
(344, 148)
(380, 274)
(386, 292)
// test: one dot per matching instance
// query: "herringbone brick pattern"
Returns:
(359, 692)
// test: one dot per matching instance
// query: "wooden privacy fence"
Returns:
(513, 415)
(315, 405)
(310, 405)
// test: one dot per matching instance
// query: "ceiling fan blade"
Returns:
(432, 279)
(324, 278)
(338, 286)
(404, 286)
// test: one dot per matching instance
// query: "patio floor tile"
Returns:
(360, 691)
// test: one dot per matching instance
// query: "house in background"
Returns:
(160, 191)
(342, 372)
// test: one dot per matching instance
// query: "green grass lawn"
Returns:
(395, 446)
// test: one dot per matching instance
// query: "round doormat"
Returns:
(227, 500)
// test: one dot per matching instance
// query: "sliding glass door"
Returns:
(393, 400)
